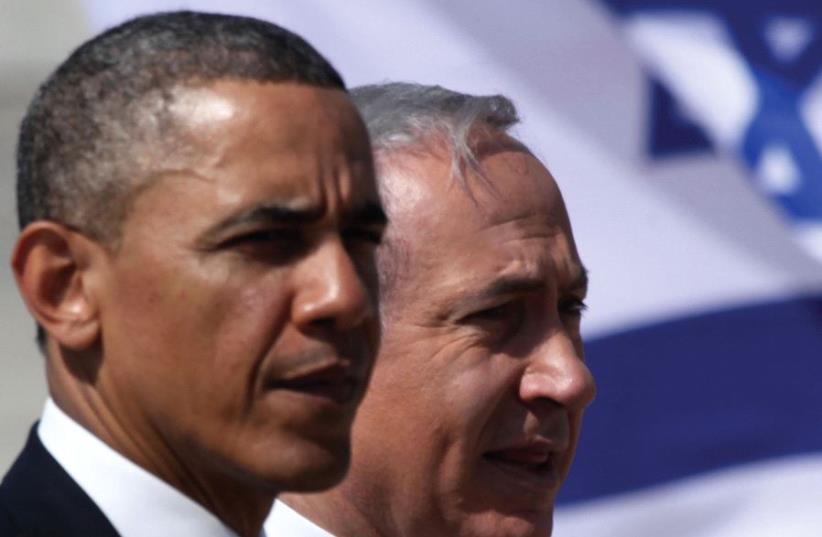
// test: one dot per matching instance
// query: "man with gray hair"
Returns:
(472, 416)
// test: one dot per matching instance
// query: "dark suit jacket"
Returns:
(39, 499)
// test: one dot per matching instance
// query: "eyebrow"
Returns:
(506, 285)
(511, 285)
(581, 280)
(369, 214)
(268, 214)
(516, 284)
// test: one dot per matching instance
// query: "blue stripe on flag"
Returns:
(696, 394)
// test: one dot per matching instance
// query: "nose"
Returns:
(556, 371)
(330, 293)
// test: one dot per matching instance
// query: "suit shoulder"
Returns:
(41, 499)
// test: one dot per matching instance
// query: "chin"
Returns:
(317, 478)
(530, 524)
(314, 468)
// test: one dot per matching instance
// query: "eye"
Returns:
(572, 307)
(271, 245)
(496, 323)
(363, 236)
(373, 236)
(492, 314)
(506, 314)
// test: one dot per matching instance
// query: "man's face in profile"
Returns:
(471, 421)
(239, 326)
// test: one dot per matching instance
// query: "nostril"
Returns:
(323, 324)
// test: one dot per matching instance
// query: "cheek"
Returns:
(150, 314)
(481, 387)
(186, 319)
(432, 375)
(436, 398)
(247, 321)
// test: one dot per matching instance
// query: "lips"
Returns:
(533, 464)
(335, 382)
(524, 456)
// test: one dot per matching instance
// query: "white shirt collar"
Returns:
(284, 521)
(136, 502)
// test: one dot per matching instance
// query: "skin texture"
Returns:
(244, 265)
(473, 413)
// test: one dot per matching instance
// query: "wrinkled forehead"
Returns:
(510, 225)
(510, 189)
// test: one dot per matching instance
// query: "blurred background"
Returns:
(687, 139)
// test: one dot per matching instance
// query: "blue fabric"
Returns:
(701, 393)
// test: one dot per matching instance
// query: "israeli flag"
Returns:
(709, 420)
(686, 137)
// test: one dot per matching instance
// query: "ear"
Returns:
(54, 266)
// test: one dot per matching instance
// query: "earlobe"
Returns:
(53, 267)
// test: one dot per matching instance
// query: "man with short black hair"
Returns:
(198, 222)
(472, 416)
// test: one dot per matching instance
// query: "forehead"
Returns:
(511, 221)
(245, 109)
(243, 143)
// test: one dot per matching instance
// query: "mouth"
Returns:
(535, 467)
(335, 382)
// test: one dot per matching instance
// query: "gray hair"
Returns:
(403, 116)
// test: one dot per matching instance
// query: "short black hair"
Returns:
(80, 137)
(81, 126)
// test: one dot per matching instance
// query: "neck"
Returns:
(240, 502)
(335, 512)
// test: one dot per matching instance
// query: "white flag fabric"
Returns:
(686, 137)
(709, 422)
